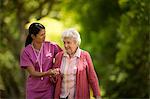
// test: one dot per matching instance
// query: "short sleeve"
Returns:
(25, 60)
(57, 49)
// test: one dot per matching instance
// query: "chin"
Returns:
(68, 52)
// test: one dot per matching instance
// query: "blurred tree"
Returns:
(132, 57)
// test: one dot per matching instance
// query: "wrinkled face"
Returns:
(40, 37)
(70, 45)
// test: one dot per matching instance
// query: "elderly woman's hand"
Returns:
(53, 72)
(98, 97)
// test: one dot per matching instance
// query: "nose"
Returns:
(44, 35)
(65, 45)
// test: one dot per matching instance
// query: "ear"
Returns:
(32, 36)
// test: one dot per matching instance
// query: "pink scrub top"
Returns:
(37, 88)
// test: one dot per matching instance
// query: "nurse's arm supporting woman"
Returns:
(33, 72)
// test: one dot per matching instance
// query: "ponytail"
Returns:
(28, 40)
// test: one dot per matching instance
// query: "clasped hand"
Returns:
(54, 72)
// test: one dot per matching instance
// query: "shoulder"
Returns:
(84, 53)
(47, 43)
(59, 54)
(27, 48)
(50, 43)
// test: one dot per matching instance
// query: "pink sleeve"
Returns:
(57, 49)
(58, 58)
(92, 77)
(25, 60)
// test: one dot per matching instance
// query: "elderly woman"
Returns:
(77, 71)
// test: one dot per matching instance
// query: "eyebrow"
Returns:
(42, 33)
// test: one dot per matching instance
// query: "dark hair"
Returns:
(33, 29)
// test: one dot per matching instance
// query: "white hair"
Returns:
(72, 33)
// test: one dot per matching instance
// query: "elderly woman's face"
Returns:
(70, 45)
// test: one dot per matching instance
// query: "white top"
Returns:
(68, 70)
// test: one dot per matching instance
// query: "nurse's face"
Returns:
(70, 45)
(40, 37)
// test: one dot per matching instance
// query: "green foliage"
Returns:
(132, 57)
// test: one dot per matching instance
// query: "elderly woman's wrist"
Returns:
(98, 97)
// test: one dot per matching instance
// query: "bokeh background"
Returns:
(115, 32)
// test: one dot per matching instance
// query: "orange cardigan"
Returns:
(85, 76)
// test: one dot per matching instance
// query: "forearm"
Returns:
(38, 74)
(35, 73)
(93, 80)
(92, 77)
(98, 97)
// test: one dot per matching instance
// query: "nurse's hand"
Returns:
(53, 72)
(53, 76)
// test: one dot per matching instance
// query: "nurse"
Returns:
(37, 58)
